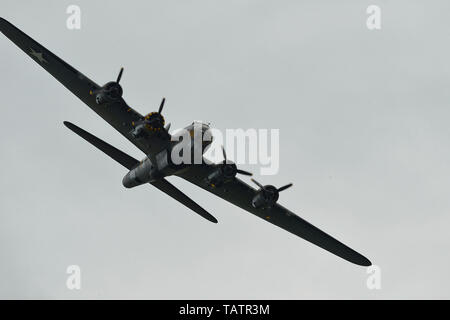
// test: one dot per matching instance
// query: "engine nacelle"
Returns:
(110, 92)
(265, 197)
(151, 123)
(223, 173)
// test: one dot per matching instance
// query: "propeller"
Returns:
(257, 183)
(224, 155)
(161, 106)
(267, 196)
(285, 187)
(110, 92)
(155, 120)
(120, 75)
(225, 162)
(265, 187)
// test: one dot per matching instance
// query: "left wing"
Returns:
(241, 194)
(118, 113)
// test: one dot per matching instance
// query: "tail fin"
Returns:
(129, 162)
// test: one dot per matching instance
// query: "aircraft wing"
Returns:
(241, 194)
(117, 113)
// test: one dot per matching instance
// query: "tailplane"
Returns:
(129, 162)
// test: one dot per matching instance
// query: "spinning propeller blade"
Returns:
(224, 155)
(245, 173)
(257, 183)
(285, 187)
(279, 189)
(161, 105)
(120, 75)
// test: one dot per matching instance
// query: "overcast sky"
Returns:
(364, 136)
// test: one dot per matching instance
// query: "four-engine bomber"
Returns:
(163, 150)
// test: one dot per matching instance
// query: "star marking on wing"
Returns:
(38, 55)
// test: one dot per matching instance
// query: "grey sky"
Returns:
(363, 118)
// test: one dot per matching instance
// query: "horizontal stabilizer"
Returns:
(129, 162)
(120, 156)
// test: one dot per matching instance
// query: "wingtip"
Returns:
(363, 261)
(69, 125)
(367, 263)
(4, 22)
(213, 219)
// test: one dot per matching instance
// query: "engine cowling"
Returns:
(110, 92)
(223, 173)
(267, 196)
(152, 122)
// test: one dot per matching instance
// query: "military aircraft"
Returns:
(151, 136)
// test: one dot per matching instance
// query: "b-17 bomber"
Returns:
(151, 135)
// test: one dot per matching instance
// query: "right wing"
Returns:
(129, 162)
(118, 113)
(241, 194)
